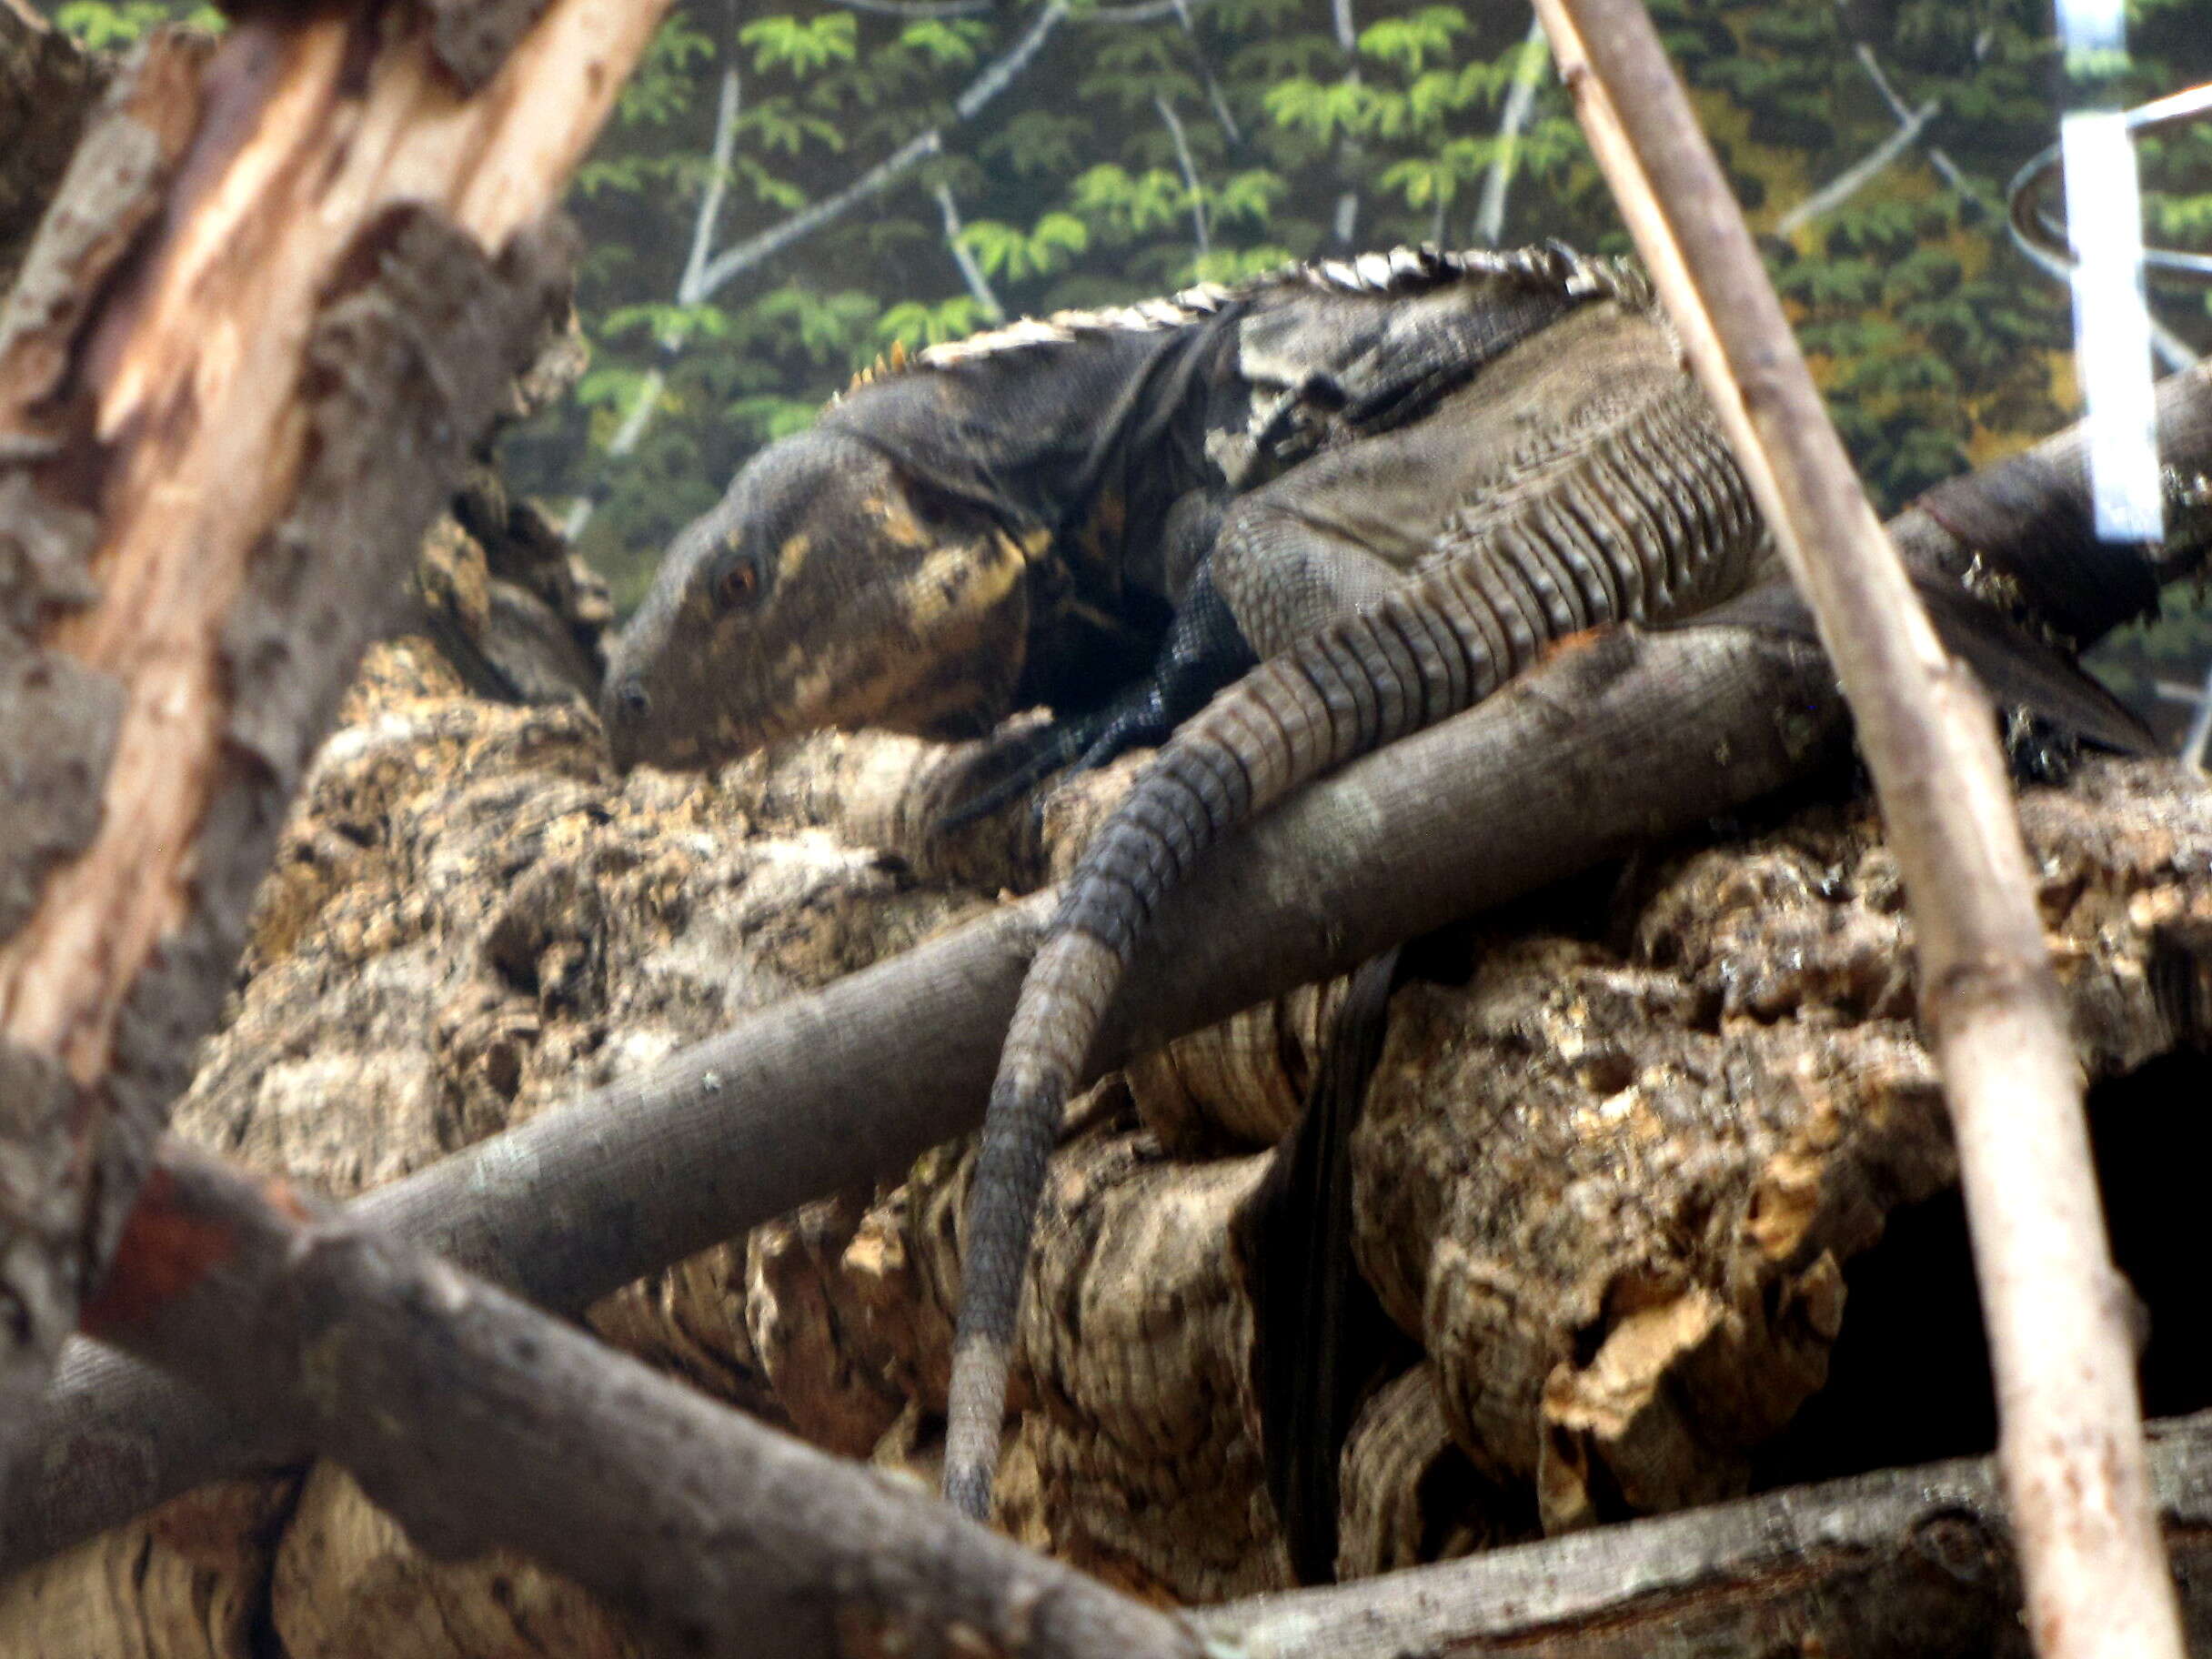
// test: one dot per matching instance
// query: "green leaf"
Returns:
(1408, 43)
(800, 47)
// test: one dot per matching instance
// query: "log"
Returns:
(481, 1422)
(1893, 1565)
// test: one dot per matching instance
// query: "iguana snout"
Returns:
(829, 587)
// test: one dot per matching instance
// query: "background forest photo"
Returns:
(787, 192)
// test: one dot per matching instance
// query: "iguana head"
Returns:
(829, 587)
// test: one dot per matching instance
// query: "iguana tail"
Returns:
(1652, 520)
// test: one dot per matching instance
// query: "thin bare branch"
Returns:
(2173, 352)
(690, 289)
(481, 1422)
(979, 286)
(2072, 1448)
(1190, 173)
(1520, 101)
(1862, 172)
(995, 78)
(1185, 15)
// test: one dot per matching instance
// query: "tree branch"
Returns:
(1862, 173)
(2072, 1446)
(690, 286)
(1184, 15)
(1520, 100)
(1902, 1562)
(1190, 172)
(860, 1079)
(2172, 349)
(480, 1422)
(243, 365)
(979, 286)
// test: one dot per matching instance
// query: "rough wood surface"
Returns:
(48, 85)
(1906, 1564)
(706, 1140)
(2072, 1446)
(269, 309)
(479, 1422)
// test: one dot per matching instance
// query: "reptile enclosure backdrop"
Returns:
(1653, 1186)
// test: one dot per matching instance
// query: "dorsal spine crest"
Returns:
(1399, 271)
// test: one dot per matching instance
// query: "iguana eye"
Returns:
(738, 584)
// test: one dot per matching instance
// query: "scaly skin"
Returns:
(1392, 482)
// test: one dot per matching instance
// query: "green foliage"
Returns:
(104, 23)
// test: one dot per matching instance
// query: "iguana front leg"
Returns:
(1261, 579)
(1204, 651)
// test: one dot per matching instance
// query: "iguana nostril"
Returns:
(631, 700)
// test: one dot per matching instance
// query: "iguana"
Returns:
(1389, 483)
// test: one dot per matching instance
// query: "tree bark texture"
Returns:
(481, 1420)
(283, 287)
(1893, 1565)
(48, 86)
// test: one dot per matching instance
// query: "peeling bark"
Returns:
(245, 358)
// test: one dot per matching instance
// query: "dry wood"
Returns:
(271, 309)
(479, 1421)
(2072, 1445)
(862, 1077)
(48, 87)
(1894, 1565)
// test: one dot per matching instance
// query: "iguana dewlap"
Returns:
(1391, 491)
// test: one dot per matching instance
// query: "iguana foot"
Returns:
(1018, 764)
(1204, 651)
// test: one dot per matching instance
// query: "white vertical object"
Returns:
(2112, 324)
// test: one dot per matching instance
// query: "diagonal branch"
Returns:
(2172, 349)
(1862, 172)
(1520, 101)
(972, 274)
(1902, 1562)
(1190, 172)
(2072, 1448)
(995, 78)
(481, 1422)
(690, 286)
